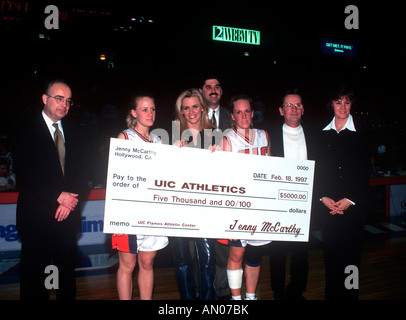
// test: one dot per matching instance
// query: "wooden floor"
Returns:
(383, 277)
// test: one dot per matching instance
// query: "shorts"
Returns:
(133, 243)
(243, 243)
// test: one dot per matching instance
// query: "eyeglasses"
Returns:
(298, 106)
(62, 100)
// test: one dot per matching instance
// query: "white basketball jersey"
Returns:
(256, 144)
(144, 242)
(132, 134)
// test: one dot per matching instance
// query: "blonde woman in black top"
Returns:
(191, 112)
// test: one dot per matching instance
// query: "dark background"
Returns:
(176, 51)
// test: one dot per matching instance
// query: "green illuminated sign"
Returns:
(237, 35)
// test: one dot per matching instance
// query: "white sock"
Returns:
(250, 296)
(234, 278)
(236, 297)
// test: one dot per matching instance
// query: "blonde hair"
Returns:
(204, 120)
(130, 120)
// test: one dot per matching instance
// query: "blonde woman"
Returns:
(143, 248)
(191, 112)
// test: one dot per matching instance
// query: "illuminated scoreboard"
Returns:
(13, 10)
(19, 10)
(237, 35)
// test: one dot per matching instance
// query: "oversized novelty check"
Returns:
(156, 189)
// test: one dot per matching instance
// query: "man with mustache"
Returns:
(220, 118)
(212, 92)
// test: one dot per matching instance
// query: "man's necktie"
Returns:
(60, 146)
(213, 120)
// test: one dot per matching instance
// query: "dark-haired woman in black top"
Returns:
(342, 173)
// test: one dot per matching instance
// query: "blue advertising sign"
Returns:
(338, 48)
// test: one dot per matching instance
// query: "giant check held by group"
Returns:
(155, 189)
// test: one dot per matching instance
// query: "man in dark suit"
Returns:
(220, 118)
(47, 209)
(289, 140)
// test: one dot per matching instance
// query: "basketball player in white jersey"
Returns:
(244, 139)
(140, 118)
